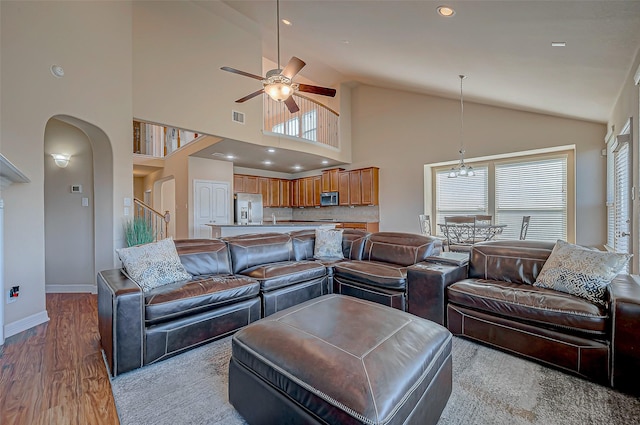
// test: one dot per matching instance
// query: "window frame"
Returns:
(490, 162)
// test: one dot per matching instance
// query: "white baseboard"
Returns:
(62, 289)
(26, 323)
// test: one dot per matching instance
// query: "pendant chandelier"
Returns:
(461, 169)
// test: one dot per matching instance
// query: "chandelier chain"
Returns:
(278, 29)
(462, 77)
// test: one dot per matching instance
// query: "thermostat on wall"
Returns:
(76, 188)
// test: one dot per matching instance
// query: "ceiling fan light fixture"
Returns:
(278, 91)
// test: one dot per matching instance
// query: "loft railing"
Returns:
(159, 141)
(314, 122)
(159, 222)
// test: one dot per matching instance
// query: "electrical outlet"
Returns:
(13, 294)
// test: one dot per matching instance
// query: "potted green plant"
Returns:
(138, 231)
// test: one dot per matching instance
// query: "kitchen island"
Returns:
(224, 230)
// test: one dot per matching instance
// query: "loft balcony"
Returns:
(314, 123)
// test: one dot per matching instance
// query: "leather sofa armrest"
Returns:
(120, 320)
(427, 284)
(624, 293)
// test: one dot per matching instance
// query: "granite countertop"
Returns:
(278, 224)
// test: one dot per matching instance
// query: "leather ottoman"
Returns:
(340, 360)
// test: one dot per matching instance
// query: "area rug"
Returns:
(489, 387)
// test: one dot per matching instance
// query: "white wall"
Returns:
(69, 241)
(400, 132)
(92, 41)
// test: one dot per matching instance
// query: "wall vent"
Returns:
(237, 117)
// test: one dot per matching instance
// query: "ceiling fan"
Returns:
(278, 83)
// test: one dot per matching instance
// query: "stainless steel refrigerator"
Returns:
(247, 208)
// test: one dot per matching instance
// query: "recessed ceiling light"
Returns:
(345, 41)
(271, 150)
(230, 156)
(558, 44)
(267, 162)
(57, 71)
(297, 167)
(446, 11)
(325, 162)
(286, 22)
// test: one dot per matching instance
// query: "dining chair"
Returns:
(524, 227)
(425, 224)
(484, 219)
(460, 232)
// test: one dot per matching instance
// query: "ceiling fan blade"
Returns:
(324, 91)
(250, 96)
(293, 67)
(291, 105)
(237, 71)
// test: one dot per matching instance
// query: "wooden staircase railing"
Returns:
(159, 222)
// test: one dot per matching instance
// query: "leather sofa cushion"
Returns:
(278, 275)
(522, 302)
(509, 261)
(204, 256)
(337, 355)
(201, 293)
(404, 249)
(373, 273)
(248, 251)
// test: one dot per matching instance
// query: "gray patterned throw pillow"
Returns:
(328, 243)
(154, 264)
(580, 271)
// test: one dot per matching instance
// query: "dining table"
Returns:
(479, 232)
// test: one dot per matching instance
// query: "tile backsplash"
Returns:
(364, 213)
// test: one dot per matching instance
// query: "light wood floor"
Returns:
(54, 373)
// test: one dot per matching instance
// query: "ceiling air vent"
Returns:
(237, 117)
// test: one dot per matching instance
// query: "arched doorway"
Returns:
(79, 220)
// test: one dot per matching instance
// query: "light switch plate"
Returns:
(85, 202)
(127, 202)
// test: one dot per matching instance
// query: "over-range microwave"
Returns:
(328, 199)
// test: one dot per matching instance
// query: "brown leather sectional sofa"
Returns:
(498, 305)
(235, 282)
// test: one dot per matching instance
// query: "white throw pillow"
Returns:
(580, 271)
(153, 264)
(328, 243)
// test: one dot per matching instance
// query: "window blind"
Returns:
(536, 188)
(462, 195)
(622, 189)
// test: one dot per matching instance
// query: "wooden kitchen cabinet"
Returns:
(308, 192)
(295, 193)
(317, 189)
(372, 227)
(343, 188)
(245, 184)
(355, 190)
(263, 189)
(274, 194)
(285, 193)
(369, 189)
(330, 180)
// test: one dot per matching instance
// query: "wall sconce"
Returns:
(61, 159)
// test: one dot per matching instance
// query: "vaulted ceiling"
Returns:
(504, 47)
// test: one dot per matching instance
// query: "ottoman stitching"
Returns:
(418, 382)
(303, 384)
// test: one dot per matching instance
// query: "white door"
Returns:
(211, 206)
